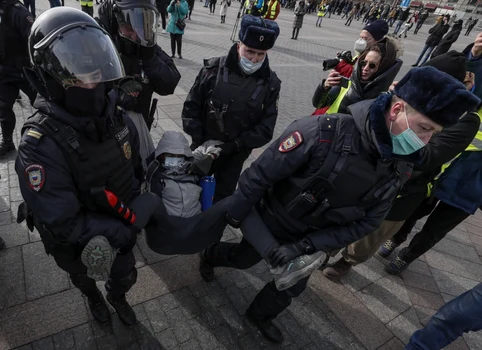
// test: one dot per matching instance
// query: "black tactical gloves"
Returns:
(287, 252)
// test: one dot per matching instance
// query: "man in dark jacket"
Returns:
(77, 146)
(449, 39)
(421, 21)
(330, 180)
(436, 34)
(235, 100)
(401, 20)
(442, 148)
(15, 24)
(135, 35)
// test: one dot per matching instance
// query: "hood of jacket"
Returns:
(173, 142)
(370, 120)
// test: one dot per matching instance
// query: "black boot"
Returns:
(216, 255)
(266, 327)
(96, 301)
(2, 244)
(6, 145)
(116, 296)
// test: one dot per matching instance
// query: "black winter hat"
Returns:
(436, 95)
(258, 33)
(378, 29)
(453, 63)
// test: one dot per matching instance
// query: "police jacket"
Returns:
(341, 163)
(442, 148)
(15, 24)
(157, 74)
(59, 197)
(225, 104)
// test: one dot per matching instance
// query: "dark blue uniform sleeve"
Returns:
(136, 154)
(162, 72)
(262, 133)
(338, 237)
(21, 20)
(53, 198)
(275, 165)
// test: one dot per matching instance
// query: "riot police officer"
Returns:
(133, 26)
(15, 24)
(78, 146)
(329, 181)
(235, 100)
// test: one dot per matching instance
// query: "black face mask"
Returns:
(85, 102)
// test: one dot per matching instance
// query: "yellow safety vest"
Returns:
(475, 146)
(322, 11)
(88, 3)
(272, 6)
(247, 7)
(336, 105)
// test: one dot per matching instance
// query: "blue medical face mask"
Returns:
(249, 67)
(407, 142)
(170, 162)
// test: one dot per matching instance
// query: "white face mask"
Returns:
(170, 162)
(360, 45)
(249, 67)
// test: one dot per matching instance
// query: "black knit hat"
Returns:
(378, 29)
(258, 33)
(436, 95)
(453, 63)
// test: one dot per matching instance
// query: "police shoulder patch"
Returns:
(291, 142)
(35, 176)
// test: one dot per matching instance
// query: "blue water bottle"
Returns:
(208, 185)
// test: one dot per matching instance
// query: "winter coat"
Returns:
(447, 41)
(404, 15)
(299, 14)
(179, 192)
(442, 147)
(176, 12)
(436, 34)
(224, 7)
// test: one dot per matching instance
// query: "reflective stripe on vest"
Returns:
(88, 3)
(476, 144)
(336, 105)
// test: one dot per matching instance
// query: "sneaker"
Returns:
(180, 57)
(396, 266)
(387, 249)
(338, 269)
(288, 275)
(163, 31)
(98, 256)
(7, 147)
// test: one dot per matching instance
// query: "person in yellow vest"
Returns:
(442, 148)
(373, 74)
(87, 6)
(254, 7)
(321, 14)
(273, 10)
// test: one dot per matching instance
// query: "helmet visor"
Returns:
(138, 25)
(83, 56)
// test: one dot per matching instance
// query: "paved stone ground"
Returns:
(39, 308)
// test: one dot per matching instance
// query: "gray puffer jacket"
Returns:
(179, 190)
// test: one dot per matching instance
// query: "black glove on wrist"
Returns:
(232, 221)
(146, 53)
(287, 252)
(127, 91)
(228, 148)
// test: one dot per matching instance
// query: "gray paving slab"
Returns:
(461, 250)
(364, 274)
(424, 298)
(455, 265)
(12, 278)
(42, 275)
(417, 280)
(452, 284)
(14, 234)
(404, 325)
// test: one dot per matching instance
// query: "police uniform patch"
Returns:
(291, 142)
(127, 150)
(35, 175)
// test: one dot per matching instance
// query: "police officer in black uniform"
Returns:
(235, 100)
(133, 26)
(78, 146)
(15, 24)
(330, 180)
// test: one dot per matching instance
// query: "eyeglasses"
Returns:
(370, 65)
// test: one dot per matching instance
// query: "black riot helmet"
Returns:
(133, 21)
(69, 46)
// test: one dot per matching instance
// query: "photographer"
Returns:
(373, 74)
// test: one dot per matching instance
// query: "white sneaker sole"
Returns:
(293, 278)
(98, 256)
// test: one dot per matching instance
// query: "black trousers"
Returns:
(10, 85)
(269, 302)
(176, 39)
(163, 12)
(468, 31)
(122, 277)
(443, 219)
(190, 10)
(296, 31)
(212, 7)
(226, 170)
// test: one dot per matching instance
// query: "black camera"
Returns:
(344, 55)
